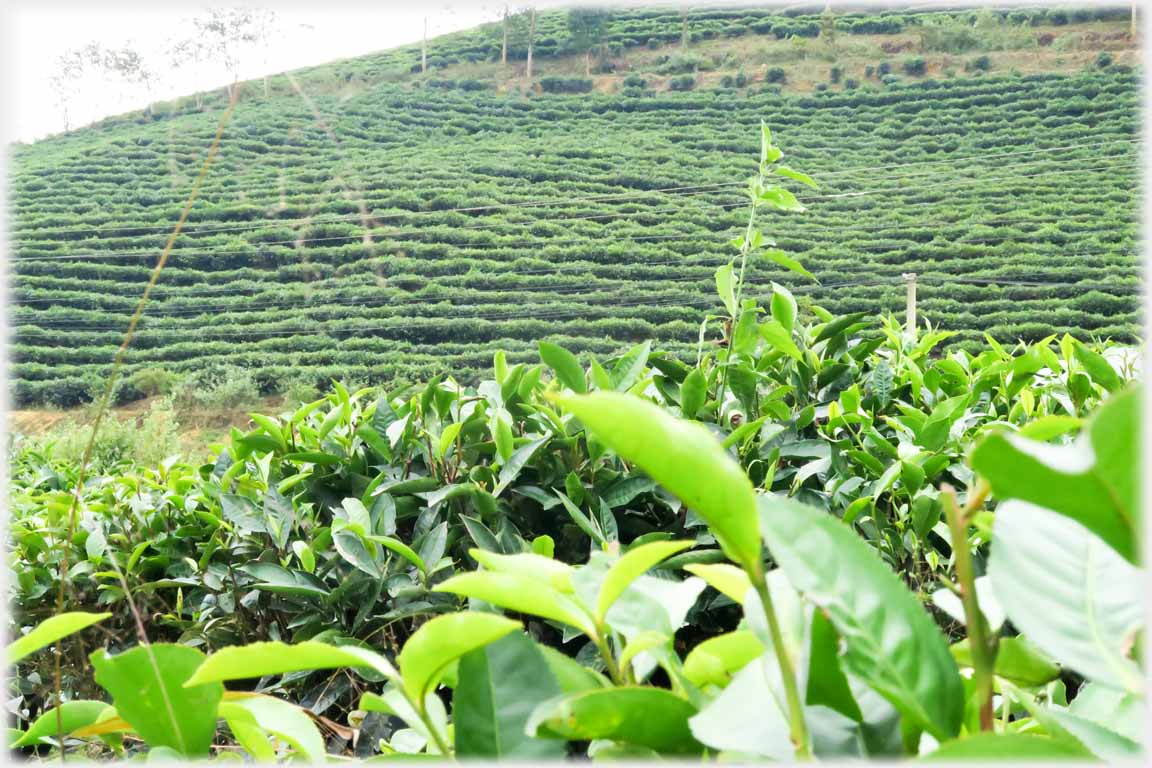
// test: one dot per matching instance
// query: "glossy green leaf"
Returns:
(803, 178)
(725, 578)
(532, 565)
(274, 578)
(566, 366)
(648, 717)
(49, 631)
(778, 256)
(499, 686)
(780, 339)
(352, 547)
(305, 555)
(72, 714)
(1007, 746)
(1048, 427)
(827, 684)
(288, 722)
(1068, 592)
(1098, 367)
(890, 642)
(247, 732)
(629, 567)
(443, 640)
(746, 717)
(1093, 481)
(714, 661)
(401, 549)
(1016, 659)
(276, 658)
(519, 593)
(151, 689)
(629, 368)
(685, 458)
(726, 288)
(693, 393)
(516, 462)
(571, 675)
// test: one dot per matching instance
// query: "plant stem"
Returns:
(435, 734)
(797, 727)
(609, 660)
(983, 654)
(744, 249)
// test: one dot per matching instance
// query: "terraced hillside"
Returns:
(418, 230)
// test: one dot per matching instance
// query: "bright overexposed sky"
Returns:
(36, 34)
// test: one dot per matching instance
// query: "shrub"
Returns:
(884, 68)
(869, 70)
(775, 75)
(1103, 59)
(554, 84)
(217, 388)
(681, 64)
(821, 87)
(835, 75)
(741, 79)
(153, 381)
(635, 81)
(978, 64)
(914, 66)
(682, 83)
(146, 439)
(851, 84)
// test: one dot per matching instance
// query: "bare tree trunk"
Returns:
(200, 100)
(531, 39)
(266, 90)
(504, 46)
(424, 48)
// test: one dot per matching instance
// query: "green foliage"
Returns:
(50, 631)
(914, 66)
(441, 290)
(354, 553)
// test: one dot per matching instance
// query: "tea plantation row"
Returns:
(494, 221)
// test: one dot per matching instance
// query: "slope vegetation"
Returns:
(397, 231)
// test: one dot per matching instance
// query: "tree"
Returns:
(504, 44)
(828, 26)
(587, 27)
(124, 68)
(513, 32)
(531, 38)
(225, 36)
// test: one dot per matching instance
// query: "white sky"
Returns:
(36, 34)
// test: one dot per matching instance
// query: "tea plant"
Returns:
(757, 556)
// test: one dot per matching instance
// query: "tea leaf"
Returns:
(683, 457)
(443, 640)
(499, 686)
(49, 631)
(891, 642)
(152, 690)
